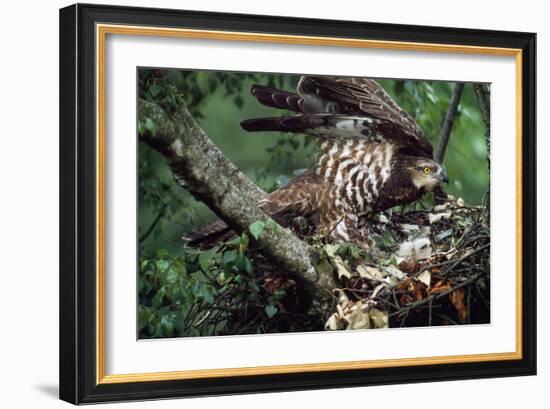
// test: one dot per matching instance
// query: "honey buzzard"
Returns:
(373, 157)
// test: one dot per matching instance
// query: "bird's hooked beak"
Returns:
(443, 177)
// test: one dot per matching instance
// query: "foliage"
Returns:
(217, 292)
(231, 289)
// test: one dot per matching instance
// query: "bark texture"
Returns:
(200, 167)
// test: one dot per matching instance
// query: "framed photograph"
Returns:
(257, 203)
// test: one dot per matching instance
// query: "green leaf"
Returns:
(355, 252)
(167, 325)
(387, 239)
(243, 245)
(162, 253)
(207, 295)
(172, 276)
(229, 257)
(145, 316)
(154, 89)
(205, 260)
(332, 250)
(270, 310)
(256, 229)
(150, 125)
(323, 266)
(243, 263)
(158, 298)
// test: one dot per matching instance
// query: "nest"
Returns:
(423, 268)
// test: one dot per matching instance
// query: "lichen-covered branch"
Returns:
(199, 166)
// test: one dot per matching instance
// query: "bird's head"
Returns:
(427, 173)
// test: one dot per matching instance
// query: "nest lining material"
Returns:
(425, 267)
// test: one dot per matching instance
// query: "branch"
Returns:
(200, 167)
(448, 122)
(482, 95)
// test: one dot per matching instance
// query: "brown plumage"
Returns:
(373, 157)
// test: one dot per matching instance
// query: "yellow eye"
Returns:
(427, 171)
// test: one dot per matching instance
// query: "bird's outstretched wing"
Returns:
(341, 108)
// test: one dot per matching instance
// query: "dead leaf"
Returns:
(341, 268)
(355, 315)
(394, 271)
(379, 318)
(358, 318)
(457, 299)
(412, 290)
(334, 322)
(409, 266)
(371, 273)
(377, 290)
(439, 287)
(425, 277)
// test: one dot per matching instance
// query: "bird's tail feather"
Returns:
(210, 235)
(279, 124)
(276, 98)
(323, 125)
